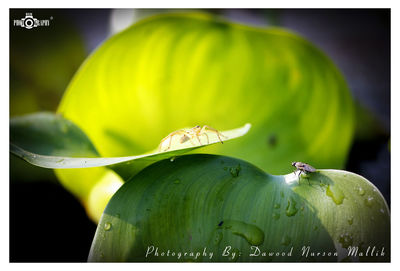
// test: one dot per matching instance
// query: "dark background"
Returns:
(358, 41)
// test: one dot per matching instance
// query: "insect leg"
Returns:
(170, 136)
(198, 139)
(206, 127)
(162, 141)
(170, 141)
(208, 140)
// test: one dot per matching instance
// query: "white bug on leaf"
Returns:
(190, 134)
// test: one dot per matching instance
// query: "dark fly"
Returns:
(303, 168)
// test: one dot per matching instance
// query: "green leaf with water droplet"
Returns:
(257, 210)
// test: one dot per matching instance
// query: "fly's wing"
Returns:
(308, 168)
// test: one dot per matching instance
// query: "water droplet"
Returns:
(346, 240)
(177, 181)
(107, 226)
(276, 216)
(369, 201)
(285, 240)
(350, 220)
(235, 171)
(172, 159)
(291, 209)
(218, 237)
(253, 234)
(361, 191)
(335, 193)
(277, 206)
(382, 210)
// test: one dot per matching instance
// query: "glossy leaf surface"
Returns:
(215, 202)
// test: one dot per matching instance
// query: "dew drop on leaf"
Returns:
(335, 194)
(253, 234)
(369, 201)
(107, 226)
(361, 191)
(276, 216)
(346, 240)
(235, 171)
(350, 221)
(291, 209)
(285, 240)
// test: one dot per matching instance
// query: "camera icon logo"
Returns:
(29, 21)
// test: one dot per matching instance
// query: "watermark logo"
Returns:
(30, 22)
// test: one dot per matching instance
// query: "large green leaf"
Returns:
(215, 203)
(173, 71)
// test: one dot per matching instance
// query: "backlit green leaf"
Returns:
(177, 70)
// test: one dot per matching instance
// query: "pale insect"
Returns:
(189, 134)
